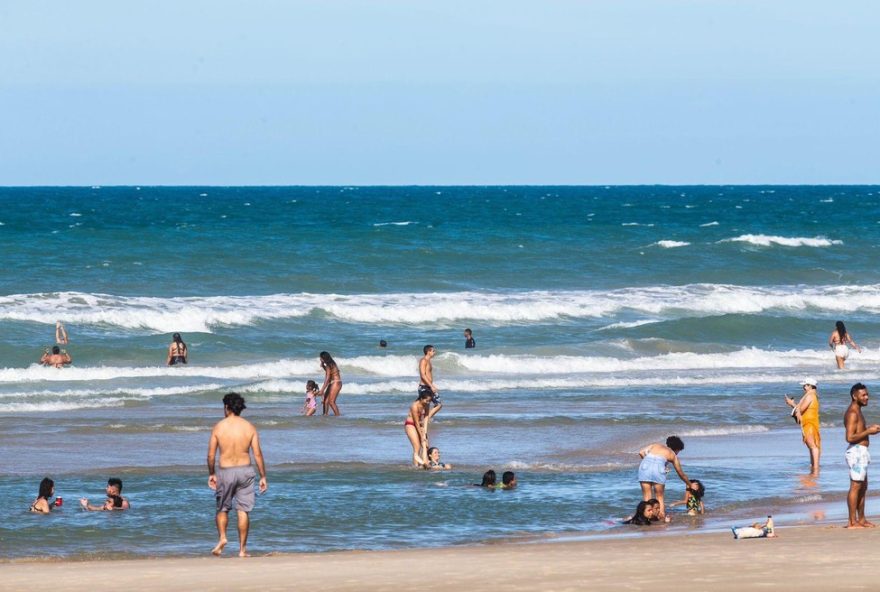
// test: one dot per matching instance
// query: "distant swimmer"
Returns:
(652, 469)
(383, 344)
(235, 439)
(857, 456)
(57, 357)
(839, 341)
(177, 351)
(60, 334)
(469, 342)
(806, 413)
(332, 382)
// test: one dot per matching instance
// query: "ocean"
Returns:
(605, 318)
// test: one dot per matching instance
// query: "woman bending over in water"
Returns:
(177, 352)
(838, 342)
(332, 382)
(416, 426)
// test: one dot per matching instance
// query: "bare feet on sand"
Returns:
(219, 548)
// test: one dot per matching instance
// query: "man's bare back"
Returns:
(234, 436)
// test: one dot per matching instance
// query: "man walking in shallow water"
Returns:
(857, 455)
(235, 438)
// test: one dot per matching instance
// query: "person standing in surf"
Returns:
(652, 469)
(332, 382)
(839, 341)
(177, 351)
(806, 414)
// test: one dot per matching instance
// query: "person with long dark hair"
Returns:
(332, 382)
(177, 351)
(643, 516)
(839, 341)
(41, 505)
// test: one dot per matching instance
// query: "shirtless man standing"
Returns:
(426, 385)
(235, 437)
(857, 455)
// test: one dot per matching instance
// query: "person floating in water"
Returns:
(57, 357)
(114, 500)
(177, 351)
(60, 334)
(508, 480)
(838, 342)
(469, 342)
(434, 463)
(41, 505)
(806, 413)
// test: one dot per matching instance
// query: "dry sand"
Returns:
(802, 558)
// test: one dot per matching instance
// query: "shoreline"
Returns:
(816, 557)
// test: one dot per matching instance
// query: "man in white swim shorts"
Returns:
(235, 438)
(857, 455)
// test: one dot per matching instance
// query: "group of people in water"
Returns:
(114, 501)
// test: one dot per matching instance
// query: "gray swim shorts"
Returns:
(235, 483)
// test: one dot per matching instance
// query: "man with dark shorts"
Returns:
(857, 455)
(235, 438)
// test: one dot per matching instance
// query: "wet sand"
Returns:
(820, 557)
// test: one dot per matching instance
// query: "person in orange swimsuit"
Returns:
(806, 413)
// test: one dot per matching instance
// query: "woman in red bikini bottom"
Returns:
(416, 426)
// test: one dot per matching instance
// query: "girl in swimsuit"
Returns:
(838, 342)
(434, 463)
(310, 406)
(416, 429)
(41, 504)
(60, 334)
(332, 382)
(177, 353)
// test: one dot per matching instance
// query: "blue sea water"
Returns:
(605, 318)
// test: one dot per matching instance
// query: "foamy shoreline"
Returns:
(802, 558)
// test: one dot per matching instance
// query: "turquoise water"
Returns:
(605, 318)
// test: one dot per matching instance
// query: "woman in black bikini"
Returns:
(177, 352)
(332, 382)
(41, 504)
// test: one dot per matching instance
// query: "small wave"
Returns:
(407, 223)
(564, 467)
(763, 240)
(726, 431)
(671, 244)
(200, 314)
(637, 224)
(707, 224)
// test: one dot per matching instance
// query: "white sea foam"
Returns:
(671, 244)
(200, 314)
(707, 224)
(763, 240)
(726, 431)
(452, 366)
(637, 224)
(406, 223)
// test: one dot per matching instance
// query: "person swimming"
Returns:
(489, 478)
(434, 463)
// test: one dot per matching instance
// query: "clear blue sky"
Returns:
(420, 92)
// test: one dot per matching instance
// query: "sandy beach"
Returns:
(801, 558)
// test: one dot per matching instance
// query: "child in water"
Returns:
(693, 499)
(311, 405)
(434, 463)
(508, 480)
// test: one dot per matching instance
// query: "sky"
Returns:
(417, 92)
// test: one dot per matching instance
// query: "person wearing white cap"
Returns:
(806, 413)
